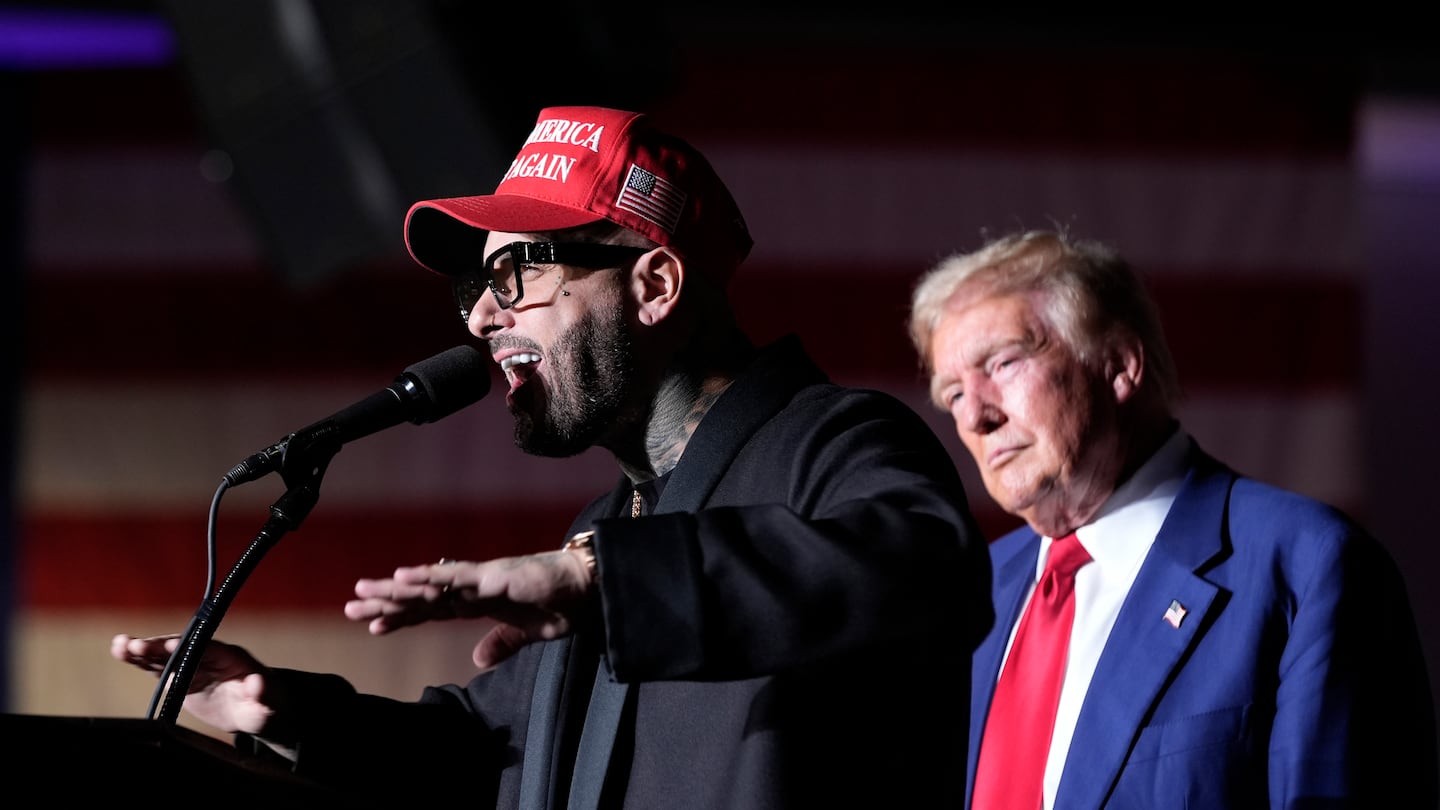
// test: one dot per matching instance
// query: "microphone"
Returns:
(426, 391)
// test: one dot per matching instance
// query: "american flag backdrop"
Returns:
(1282, 211)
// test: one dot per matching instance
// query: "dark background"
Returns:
(1281, 183)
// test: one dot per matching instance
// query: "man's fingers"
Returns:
(146, 653)
(386, 615)
(119, 647)
(500, 643)
(396, 591)
(449, 572)
(364, 610)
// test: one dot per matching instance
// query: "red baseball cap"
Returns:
(581, 165)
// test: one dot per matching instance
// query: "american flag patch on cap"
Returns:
(652, 197)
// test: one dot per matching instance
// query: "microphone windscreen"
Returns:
(449, 381)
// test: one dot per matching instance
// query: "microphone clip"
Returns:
(298, 457)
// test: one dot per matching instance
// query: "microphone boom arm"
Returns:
(424, 392)
(302, 473)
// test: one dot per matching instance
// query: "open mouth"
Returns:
(518, 367)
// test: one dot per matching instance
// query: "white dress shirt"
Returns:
(1118, 540)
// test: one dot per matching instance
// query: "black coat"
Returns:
(791, 627)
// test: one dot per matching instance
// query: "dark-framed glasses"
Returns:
(509, 269)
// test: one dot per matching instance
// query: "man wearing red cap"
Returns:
(775, 606)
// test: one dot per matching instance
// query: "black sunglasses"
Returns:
(507, 269)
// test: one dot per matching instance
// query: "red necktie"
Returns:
(1011, 770)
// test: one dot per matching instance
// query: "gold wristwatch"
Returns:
(584, 543)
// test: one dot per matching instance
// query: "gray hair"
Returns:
(1091, 295)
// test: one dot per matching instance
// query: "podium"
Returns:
(75, 761)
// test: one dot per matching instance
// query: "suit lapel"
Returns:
(543, 738)
(536, 775)
(1144, 648)
(1012, 580)
(756, 396)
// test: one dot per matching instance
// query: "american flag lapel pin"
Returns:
(1175, 613)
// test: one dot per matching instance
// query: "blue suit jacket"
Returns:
(1295, 679)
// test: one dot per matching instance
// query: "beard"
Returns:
(591, 367)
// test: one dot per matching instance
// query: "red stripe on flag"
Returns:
(157, 560)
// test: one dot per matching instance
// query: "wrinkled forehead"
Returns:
(971, 329)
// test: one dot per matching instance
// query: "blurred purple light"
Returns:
(31, 39)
